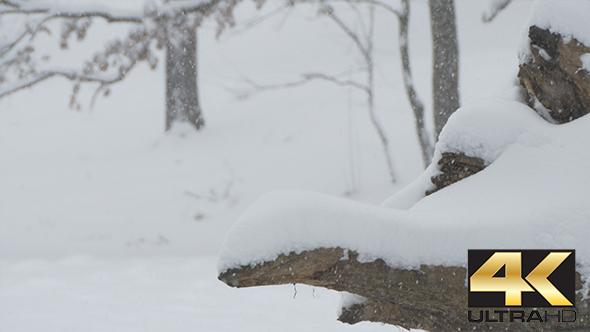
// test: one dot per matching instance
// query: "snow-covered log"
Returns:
(557, 78)
(405, 297)
(554, 71)
(432, 298)
(555, 60)
(511, 180)
(408, 257)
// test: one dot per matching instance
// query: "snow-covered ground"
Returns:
(108, 224)
(172, 293)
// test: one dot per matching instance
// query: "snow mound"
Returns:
(567, 18)
(533, 196)
(483, 130)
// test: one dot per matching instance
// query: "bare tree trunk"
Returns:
(182, 97)
(445, 76)
(417, 105)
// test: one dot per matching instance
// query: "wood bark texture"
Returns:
(455, 167)
(445, 57)
(555, 77)
(182, 98)
(433, 298)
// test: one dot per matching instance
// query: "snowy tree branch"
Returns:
(110, 17)
(9, 47)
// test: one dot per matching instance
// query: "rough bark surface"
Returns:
(433, 298)
(445, 56)
(453, 168)
(555, 77)
(182, 99)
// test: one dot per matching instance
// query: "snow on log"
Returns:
(432, 298)
(408, 257)
(554, 71)
(556, 80)
(554, 67)
(454, 167)
(501, 178)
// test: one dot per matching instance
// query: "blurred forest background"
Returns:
(141, 131)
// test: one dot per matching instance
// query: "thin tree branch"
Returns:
(366, 52)
(7, 48)
(72, 76)
(75, 14)
(338, 82)
(201, 7)
(330, 12)
(8, 3)
(30, 83)
(257, 20)
(377, 3)
(308, 78)
(8, 63)
(95, 94)
(415, 102)
(359, 17)
(371, 2)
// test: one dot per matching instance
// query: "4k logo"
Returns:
(525, 278)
